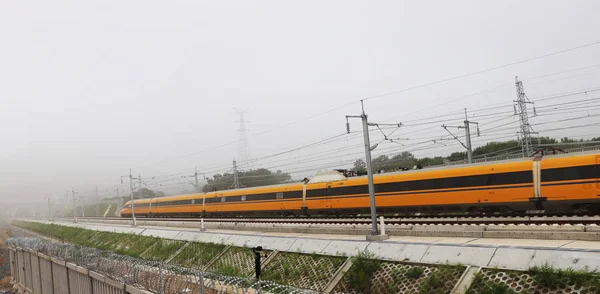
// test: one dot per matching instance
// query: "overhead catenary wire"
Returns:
(415, 87)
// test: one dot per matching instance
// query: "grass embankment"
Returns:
(309, 271)
(368, 274)
(196, 255)
(146, 247)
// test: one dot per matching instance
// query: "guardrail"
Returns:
(42, 266)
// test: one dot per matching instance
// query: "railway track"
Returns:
(585, 228)
(517, 220)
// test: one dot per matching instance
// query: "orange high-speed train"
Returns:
(568, 183)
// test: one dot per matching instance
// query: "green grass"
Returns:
(549, 277)
(544, 277)
(236, 260)
(363, 268)
(286, 268)
(151, 248)
(480, 286)
(435, 283)
(121, 243)
(415, 272)
(197, 255)
(163, 249)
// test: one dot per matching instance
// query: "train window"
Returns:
(193, 201)
(222, 199)
(243, 197)
(279, 195)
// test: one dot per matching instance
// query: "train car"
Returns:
(141, 207)
(566, 183)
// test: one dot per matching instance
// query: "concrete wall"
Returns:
(37, 273)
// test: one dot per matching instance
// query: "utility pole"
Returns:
(74, 206)
(140, 192)
(196, 184)
(49, 210)
(368, 149)
(467, 128)
(81, 204)
(526, 129)
(131, 190)
(236, 180)
(119, 206)
(98, 203)
(196, 180)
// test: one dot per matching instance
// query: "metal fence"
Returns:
(41, 266)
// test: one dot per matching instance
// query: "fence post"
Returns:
(51, 273)
(161, 278)
(201, 282)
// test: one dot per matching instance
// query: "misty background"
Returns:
(90, 89)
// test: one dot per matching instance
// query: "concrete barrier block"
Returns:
(578, 260)
(276, 243)
(538, 228)
(116, 229)
(243, 240)
(168, 234)
(189, 236)
(479, 256)
(398, 227)
(309, 245)
(512, 258)
(448, 228)
(385, 250)
(548, 235)
(419, 233)
(345, 248)
(592, 228)
(215, 238)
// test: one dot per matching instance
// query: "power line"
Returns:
(482, 71)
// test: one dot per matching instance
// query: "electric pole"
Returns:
(97, 204)
(81, 204)
(467, 127)
(140, 192)
(526, 129)
(236, 180)
(131, 190)
(195, 183)
(196, 179)
(74, 206)
(119, 205)
(368, 149)
(49, 210)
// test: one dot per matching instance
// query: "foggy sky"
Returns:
(90, 89)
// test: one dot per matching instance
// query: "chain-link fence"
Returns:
(153, 276)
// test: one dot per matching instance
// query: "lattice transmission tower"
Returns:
(521, 110)
(243, 148)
